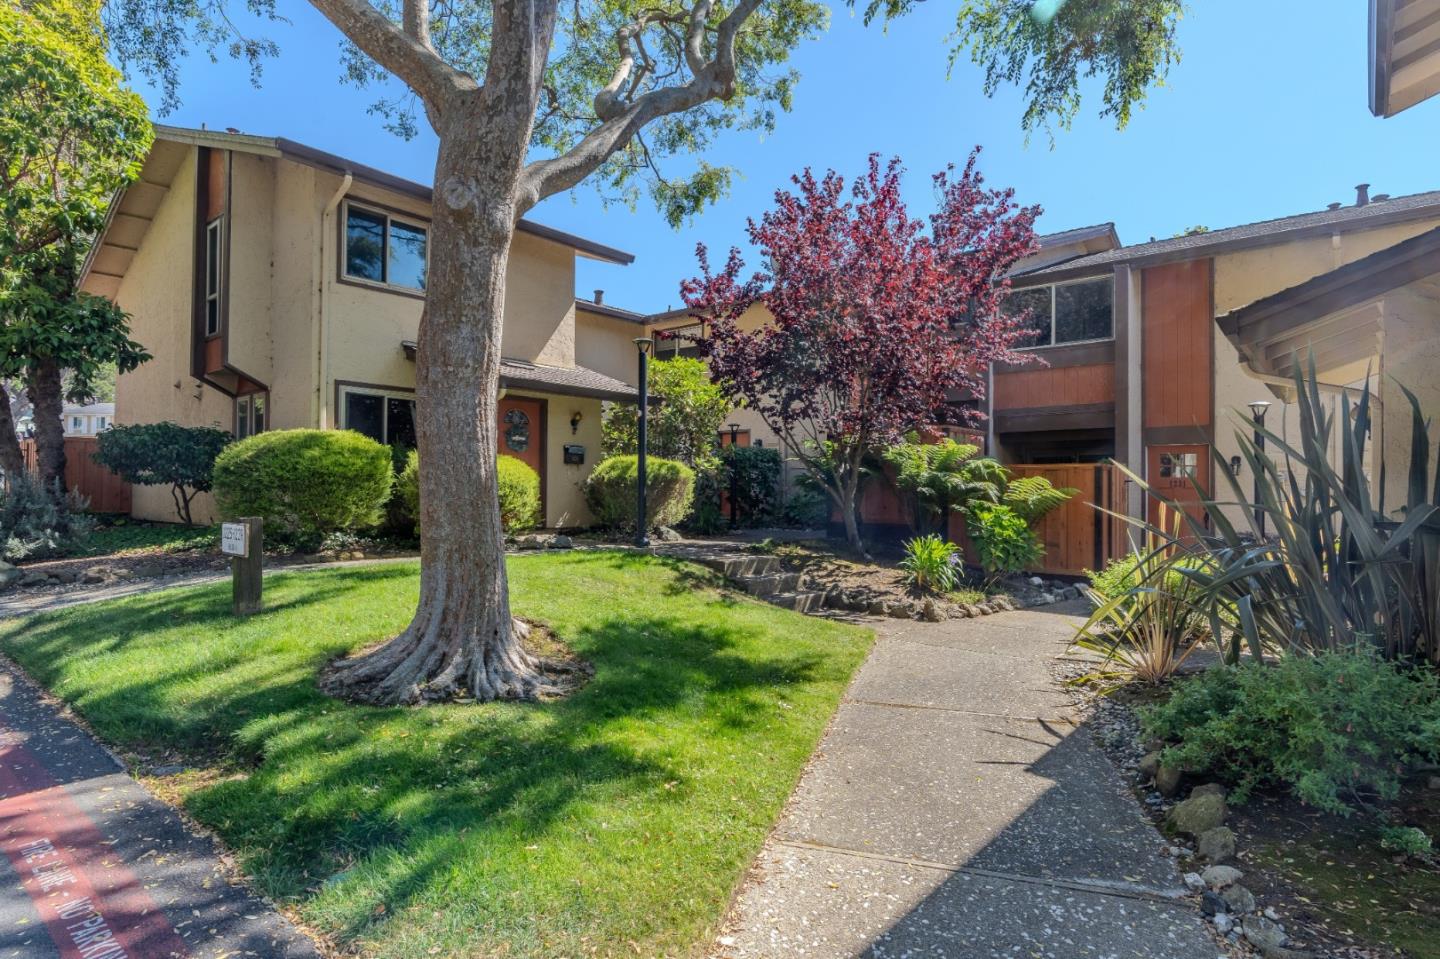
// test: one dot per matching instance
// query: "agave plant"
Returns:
(1336, 572)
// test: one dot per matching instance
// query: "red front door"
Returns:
(1172, 469)
(521, 425)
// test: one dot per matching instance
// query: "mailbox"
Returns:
(574, 454)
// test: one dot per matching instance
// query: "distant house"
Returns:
(278, 286)
(79, 420)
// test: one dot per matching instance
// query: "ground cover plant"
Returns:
(121, 536)
(612, 822)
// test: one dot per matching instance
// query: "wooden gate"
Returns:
(106, 492)
(1080, 535)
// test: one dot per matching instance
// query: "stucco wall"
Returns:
(607, 345)
(251, 255)
(156, 292)
(295, 258)
(1412, 355)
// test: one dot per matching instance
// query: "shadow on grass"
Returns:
(310, 787)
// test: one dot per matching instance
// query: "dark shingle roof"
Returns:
(604, 309)
(1397, 209)
(1077, 234)
(565, 380)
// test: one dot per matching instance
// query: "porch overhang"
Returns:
(1404, 54)
(558, 380)
(1337, 316)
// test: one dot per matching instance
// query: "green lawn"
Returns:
(615, 822)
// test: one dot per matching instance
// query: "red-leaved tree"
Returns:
(876, 320)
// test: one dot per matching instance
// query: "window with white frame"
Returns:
(77, 424)
(102, 423)
(214, 237)
(383, 415)
(380, 248)
(251, 413)
(1078, 312)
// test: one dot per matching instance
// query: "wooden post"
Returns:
(242, 541)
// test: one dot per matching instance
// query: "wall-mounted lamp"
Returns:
(575, 419)
(1235, 465)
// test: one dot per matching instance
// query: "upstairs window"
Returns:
(382, 249)
(1079, 312)
(214, 236)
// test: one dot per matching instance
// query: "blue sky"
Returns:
(1265, 116)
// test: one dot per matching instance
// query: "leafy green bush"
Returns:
(610, 491)
(685, 421)
(805, 509)
(519, 489)
(1331, 727)
(305, 484)
(756, 472)
(929, 564)
(164, 454)
(1119, 576)
(1004, 541)
(36, 523)
(1406, 839)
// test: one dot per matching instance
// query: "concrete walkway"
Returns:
(955, 810)
(92, 866)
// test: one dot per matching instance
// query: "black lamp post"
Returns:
(643, 345)
(1257, 411)
(734, 477)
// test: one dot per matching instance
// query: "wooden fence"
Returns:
(106, 492)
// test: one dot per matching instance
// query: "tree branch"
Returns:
(415, 19)
(404, 55)
(712, 80)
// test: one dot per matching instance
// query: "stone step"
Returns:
(801, 602)
(739, 565)
(770, 584)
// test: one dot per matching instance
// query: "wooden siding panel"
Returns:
(1055, 386)
(1178, 350)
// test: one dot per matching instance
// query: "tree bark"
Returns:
(46, 391)
(12, 461)
(463, 638)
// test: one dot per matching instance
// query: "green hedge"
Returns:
(669, 491)
(519, 492)
(305, 484)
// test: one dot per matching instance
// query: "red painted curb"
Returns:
(92, 904)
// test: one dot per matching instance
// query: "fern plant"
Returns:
(1034, 496)
(1004, 541)
(944, 476)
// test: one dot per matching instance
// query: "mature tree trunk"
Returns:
(12, 462)
(462, 638)
(46, 392)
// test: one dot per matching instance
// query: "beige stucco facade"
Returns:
(300, 331)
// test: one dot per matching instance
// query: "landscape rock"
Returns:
(1223, 922)
(1149, 765)
(1167, 781)
(930, 612)
(898, 610)
(876, 607)
(1216, 844)
(1193, 882)
(172, 769)
(9, 575)
(972, 611)
(1195, 815)
(1212, 903)
(561, 541)
(35, 578)
(1036, 581)
(1433, 782)
(1218, 877)
(1239, 899)
(1263, 933)
(664, 534)
(1208, 789)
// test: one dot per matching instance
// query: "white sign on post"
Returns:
(233, 539)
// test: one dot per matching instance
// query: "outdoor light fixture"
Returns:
(575, 419)
(1235, 465)
(643, 346)
(734, 477)
(1257, 410)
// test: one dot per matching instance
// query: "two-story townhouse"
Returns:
(1155, 351)
(279, 286)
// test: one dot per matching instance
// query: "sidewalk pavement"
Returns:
(954, 809)
(92, 866)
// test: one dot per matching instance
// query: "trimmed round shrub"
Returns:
(519, 492)
(305, 484)
(610, 491)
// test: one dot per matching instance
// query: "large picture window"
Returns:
(388, 417)
(1078, 312)
(380, 248)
